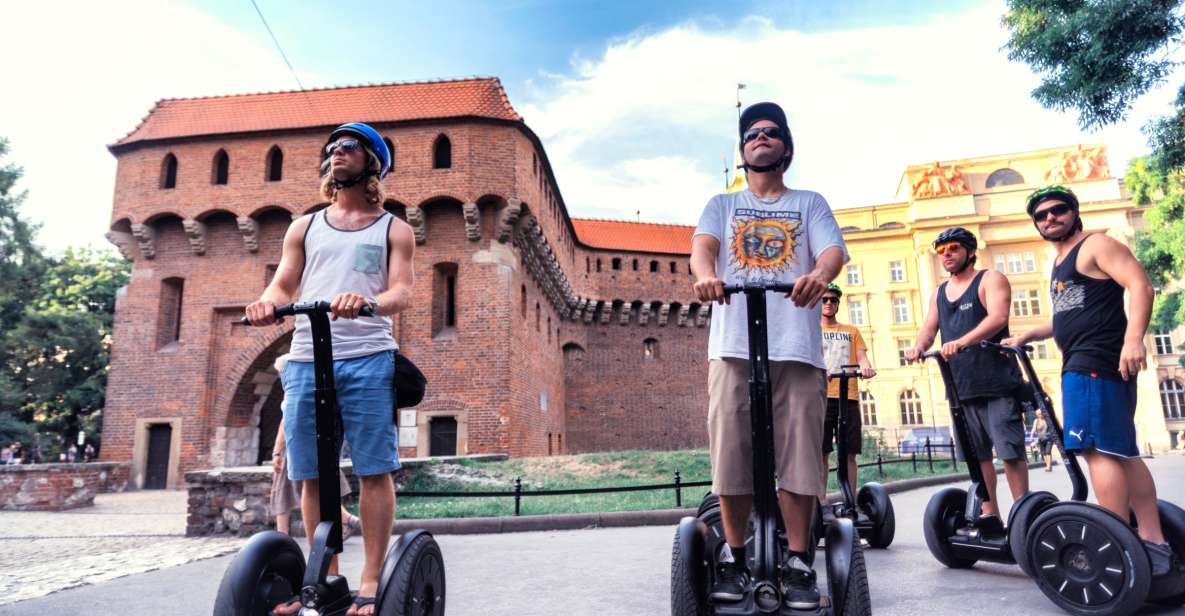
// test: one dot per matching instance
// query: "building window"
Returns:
(168, 328)
(900, 310)
(854, 276)
(275, 164)
(442, 153)
(856, 312)
(536, 316)
(221, 167)
(654, 266)
(1172, 399)
(1004, 177)
(635, 265)
(897, 271)
(650, 348)
(616, 264)
(444, 298)
(1016, 263)
(522, 301)
(1164, 343)
(549, 330)
(903, 345)
(911, 408)
(1026, 303)
(168, 172)
(673, 267)
(1039, 350)
(868, 408)
(1030, 260)
(598, 264)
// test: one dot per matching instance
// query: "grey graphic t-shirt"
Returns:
(769, 240)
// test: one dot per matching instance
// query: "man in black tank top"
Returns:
(973, 306)
(1103, 352)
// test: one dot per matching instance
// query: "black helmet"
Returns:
(773, 113)
(1055, 191)
(957, 234)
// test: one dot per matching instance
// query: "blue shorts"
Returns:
(1099, 414)
(367, 402)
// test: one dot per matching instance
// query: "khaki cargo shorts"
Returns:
(799, 405)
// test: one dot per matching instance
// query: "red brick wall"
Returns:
(494, 367)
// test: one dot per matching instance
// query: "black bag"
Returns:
(409, 383)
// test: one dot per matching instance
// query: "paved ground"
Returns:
(608, 572)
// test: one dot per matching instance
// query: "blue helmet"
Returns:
(371, 138)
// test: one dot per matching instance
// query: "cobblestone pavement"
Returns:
(123, 534)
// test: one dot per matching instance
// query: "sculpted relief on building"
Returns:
(1079, 164)
(937, 180)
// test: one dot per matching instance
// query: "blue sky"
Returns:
(632, 100)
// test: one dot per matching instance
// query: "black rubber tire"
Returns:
(707, 502)
(689, 575)
(944, 514)
(1172, 522)
(857, 601)
(268, 570)
(1023, 513)
(417, 587)
(713, 543)
(874, 500)
(1099, 550)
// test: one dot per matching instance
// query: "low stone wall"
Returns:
(55, 487)
(236, 501)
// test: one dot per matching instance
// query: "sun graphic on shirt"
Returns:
(764, 244)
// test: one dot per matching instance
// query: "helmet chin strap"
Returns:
(964, 266)
(340, 184)
(780, 163)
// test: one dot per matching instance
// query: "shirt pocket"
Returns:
(368, 258)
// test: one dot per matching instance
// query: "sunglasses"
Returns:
(830, 300)
(349, 146)
(772, 132)
(945, 248)
(1057, 211)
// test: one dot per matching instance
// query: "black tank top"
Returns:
(1088, 318)
(979, 373)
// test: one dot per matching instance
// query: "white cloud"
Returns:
(80, 76)
(644, 126)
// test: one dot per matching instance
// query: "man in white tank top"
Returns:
(355, 254)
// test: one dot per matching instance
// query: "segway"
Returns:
(870, 509)
(950, 520)
(270, 569)
(698, 542)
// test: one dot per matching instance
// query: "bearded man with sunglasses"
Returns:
(1102, 354)
(767, 233)
(970, 307)
(359, 255)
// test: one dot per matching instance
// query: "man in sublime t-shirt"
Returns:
(767, 233)
(842, 346)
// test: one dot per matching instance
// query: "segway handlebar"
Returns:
(289, 310)
(779, 287)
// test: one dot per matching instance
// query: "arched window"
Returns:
(635, 265)
(522, 306)
(536, 316)
(598, 264)
(1172, 399)
(168, 171)
(650, 348)
(868, 408)
(221, 172)
(616, 263)
(1004, 177)
(275, 164)
(673, 266)
(654, 266)
(391, 150)
(911, 408)
(442, 153)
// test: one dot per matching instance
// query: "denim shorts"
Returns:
(367, 402)
(1100, 414)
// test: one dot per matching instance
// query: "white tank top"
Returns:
(340, 261)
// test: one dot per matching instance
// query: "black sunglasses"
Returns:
(772, 132)
(830, 300)
(1058, 210)
(347, 145)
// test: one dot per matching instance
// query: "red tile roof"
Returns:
(481, 97)
(634, 236)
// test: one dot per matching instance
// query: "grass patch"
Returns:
(593, 470)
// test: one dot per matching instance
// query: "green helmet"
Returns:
(1054, 191)
(834, 288)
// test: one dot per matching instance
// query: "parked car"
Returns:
(915, 440)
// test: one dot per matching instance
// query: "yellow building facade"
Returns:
(893, 272)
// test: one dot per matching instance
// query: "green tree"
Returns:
(1096, 58)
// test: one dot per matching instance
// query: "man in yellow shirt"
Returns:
(842, 346)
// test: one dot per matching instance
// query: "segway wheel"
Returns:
(267, 571)
(1088, 561)
(1172, 522)
(944, 515)
(1020, 519)
(874, 500)
(417, 586)
(710, 500)
(689, 570)
(847, 576)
